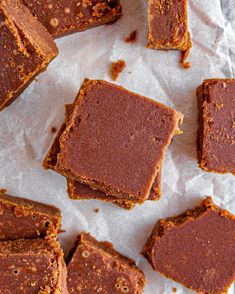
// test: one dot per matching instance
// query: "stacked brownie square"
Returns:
(112, 144)
(32, 261)
(30, 256)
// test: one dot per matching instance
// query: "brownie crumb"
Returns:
(184, 54)
(174, 290)
(53, 130)
(116, 68)
(96, 210)
(131, 38)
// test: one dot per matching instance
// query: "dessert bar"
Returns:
(95, 267)
(23, 218)
(168, 25)
(196, 248)
(79, 191)
(62, 17)
(115, 140)
(32, 267)
(26, 49)
(216, 133)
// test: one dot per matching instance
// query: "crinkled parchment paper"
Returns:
(26, 125)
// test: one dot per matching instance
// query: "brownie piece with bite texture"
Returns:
(95, 267)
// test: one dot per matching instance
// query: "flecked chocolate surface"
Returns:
(216, 135)
(26, 48)
(196, 249)
(23, 218)
(115, 140)
(95, 267)
(32, 267)
(168, 25)
(62, 17)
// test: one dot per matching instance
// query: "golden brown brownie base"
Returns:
(27, 48)
(216, 132)
(62, 17)
(124, 167)
(96, 267)
(79, 191)
(195, 248)
(32, 267)
(22, 218)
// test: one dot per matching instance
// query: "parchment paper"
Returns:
(25, 126)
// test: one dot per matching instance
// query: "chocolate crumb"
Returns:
(131, 38)
(184, 54)
(116, 68)
(174, 290)
(53, 130)
(96, 210)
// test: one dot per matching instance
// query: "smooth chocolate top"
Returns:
(115, 140)
(30, 266)
(95, 267)
(79, 191)
(168, 28)
(196, 248)
(23, 218)
(217, 125)
(26, 48)
(62, 17)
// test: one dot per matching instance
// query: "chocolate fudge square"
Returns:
(79, 191)
(32, 267)
(168, 25)
(62, 17)
(216, 133)
(95, 267)
(196, 248)
(26, 48)
(115, 140)
(23, 218)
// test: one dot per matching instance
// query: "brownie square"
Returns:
(196, 248)
(115, 140)
(32, 267)
(216, 133)
(168, 25)
(79, 191)
(68, 16)
(23, 218)
(96, 267)
(26, 49)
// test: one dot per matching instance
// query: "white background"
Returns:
(25, 126)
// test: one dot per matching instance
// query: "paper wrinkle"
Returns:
(26, 125)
